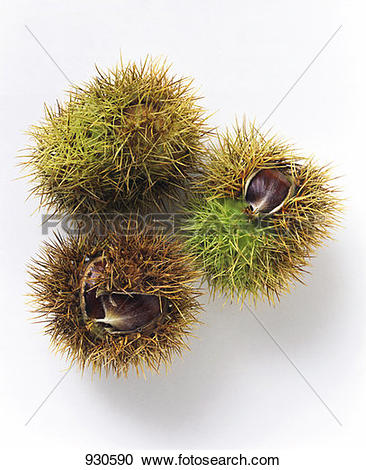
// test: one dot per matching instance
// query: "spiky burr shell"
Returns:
(135, 262)
(249, 255)
(128, 140)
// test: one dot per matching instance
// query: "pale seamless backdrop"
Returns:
(235, 389)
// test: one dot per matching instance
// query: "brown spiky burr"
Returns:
(116, 302)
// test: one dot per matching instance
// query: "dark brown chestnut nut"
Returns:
(267, 190)
(125, 312)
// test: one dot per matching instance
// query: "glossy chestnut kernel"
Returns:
(131, 312)
(125, 312)
(267, 191)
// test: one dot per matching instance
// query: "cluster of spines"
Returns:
(150, 264)
(281, 243)
(130, 139)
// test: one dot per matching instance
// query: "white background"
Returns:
(236, 389)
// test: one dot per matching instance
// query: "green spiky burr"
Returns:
(116, 302)
(129, 140)
(260, 212)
